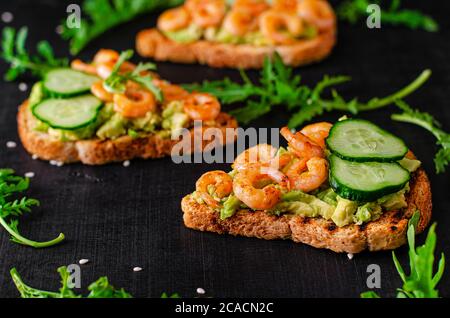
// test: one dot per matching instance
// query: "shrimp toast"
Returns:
(74, 116)
(245, 46)
(300, 220)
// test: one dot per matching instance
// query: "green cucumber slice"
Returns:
(68, 114)
(65, 82)
(368, 181)
(360, 140)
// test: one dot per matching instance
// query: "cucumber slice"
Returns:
(65, 82)
(68, 114)
(360, 140)
(368, 181)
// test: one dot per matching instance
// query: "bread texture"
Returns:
(96, 151)
(386, 233)
(153, 44)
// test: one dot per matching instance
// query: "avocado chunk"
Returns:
(410, 164)
(113, 128)
(367, 212)
(300, 203)
(187, 35)
(230, 207)
(343, 214)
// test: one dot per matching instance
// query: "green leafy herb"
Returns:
(279, 86)
(355, 10)
(421, 282)
(425, 120)
(165, 295)
(98, 289)
(15, 53)
(11, 208)
(101, 15)
(116, 82)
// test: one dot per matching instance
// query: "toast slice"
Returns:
(386, 233)
(96, 151)
(153, 44)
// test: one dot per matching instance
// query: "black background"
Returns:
(119, 218)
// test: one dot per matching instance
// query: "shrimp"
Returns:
(100, 92)
(313, 178)
(253, 7)
(301, 145)
(317, 132)
(318, 13)
(214, 183)
(105, 56)
(247, 186)
(174, 19)
(285, 5)
(201, 106)
(206, 13)
(136, 102)
(274, 24)
(171, 92)
(264, 154)
(79, 65)
(239, 22)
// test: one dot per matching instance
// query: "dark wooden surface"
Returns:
(119, 218)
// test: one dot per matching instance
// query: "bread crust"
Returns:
(386, 233)
(153, 44)
(96, 151)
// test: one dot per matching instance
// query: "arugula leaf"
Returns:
(11, 185)
(175, 295)
(103, 15)
(421, 282)
(278, 85)
(98, 289)
(425, 120)
(116, 82)
(15, 53)
(353, 11)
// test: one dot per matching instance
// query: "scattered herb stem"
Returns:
(421, 282)
(11, 185)
(279, 86)
(353, 11)
(428, 122)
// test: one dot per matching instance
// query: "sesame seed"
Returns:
(53, 162)
(126, 163)
(11, 144)
(23, 87)
(137, 269)
(59, 29)
(34, 157)
(201, 291)
(29, 174)
(59, 164)
(350, 256)
(83, 261)
(7, 17)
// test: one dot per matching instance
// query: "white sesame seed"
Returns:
(7, 17)
(23, 87)
(59, 164)
(126, 163)
(11, 144)
(53, 162)
(83, 261)
(350, 256)
(201, 291)
(34, 157)
(29, 174)
(137, 269)
(59, 29)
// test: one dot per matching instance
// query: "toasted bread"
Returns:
(386, 233)
(96, 151)
(153, 44)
